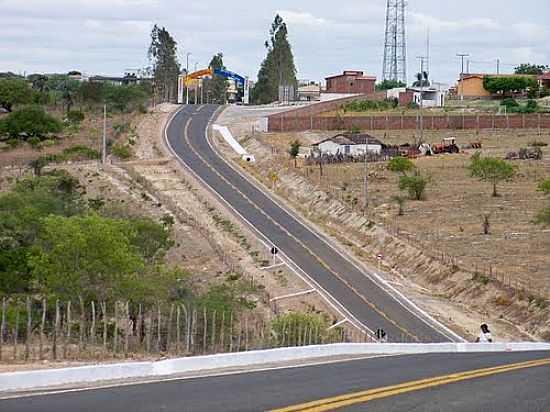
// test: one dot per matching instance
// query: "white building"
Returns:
(349, 144)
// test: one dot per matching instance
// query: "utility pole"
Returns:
(421, 106)
(187, 79)
(196, 86)
(104, 140)
(462, 55)
(498, 66)
(366, 176)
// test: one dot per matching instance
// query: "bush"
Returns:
(509, 102)
(294, 329)
(415, 185)
(30, 121)
(34, 142)
(400, 164)
(121, 151)
(75, 117)
(368, 105)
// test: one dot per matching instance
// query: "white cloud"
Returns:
(302, 18)
(420, 21)
(107, 36)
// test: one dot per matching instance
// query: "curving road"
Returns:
(523, 389)
(365, 301)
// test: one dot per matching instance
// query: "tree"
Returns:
(389, 84)
(294, 150)
(491, 169)
(507, 85)
(166, 68)
(527, 68)
(89, 256)
(217, 86)
(14, 92)
(30, 121)
(400, 201)
(22, 211)
(401, 165)
(125, 98)
(69, 92)
(415, 185)
(278, 67)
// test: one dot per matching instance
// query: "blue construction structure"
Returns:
(240, 80)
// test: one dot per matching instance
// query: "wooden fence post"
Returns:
(15, 333)
(139, 326)
(3, 325)
(28, 336)
(178, 336)
(81, 326)
(92, 327)
(56, 329)
(42, 327)
(169, 328)
(204, 331)
(148, 324)
(67, 339)
(246, 332)
(213, 337)
(159, 328)
(231, 332)
(115, 331)
(104, 311)
(128, 330)
(222, 333)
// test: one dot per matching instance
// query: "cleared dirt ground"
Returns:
(449, 221)
(433, 252)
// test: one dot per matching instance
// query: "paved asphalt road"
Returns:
(522, 390)
(365, 299)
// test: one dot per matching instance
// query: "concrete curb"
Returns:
(27, 380)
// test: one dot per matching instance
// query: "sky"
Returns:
(110, 36)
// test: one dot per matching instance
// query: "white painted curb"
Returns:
(26, 380)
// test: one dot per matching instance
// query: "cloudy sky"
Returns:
(109, 36)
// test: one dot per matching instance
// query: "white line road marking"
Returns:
(338, 324)
(293, 295)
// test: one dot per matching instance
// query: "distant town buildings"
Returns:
(471, 84)
(351, 82)
(544, 80)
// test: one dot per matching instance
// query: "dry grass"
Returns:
(450, 219)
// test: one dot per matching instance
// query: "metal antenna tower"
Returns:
(395, 46)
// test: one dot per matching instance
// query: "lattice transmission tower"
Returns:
(395, 46)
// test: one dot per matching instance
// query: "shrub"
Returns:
(415, 185)
(121, 151)
(509, 102)
(368, 105)
(75, 117)
(400, 164)
(34, 142)
(30, 121)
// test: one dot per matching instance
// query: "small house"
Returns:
(349, 144)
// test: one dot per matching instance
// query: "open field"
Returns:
(417, 250)
(449, 221)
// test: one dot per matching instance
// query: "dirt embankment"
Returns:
(435, 281)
